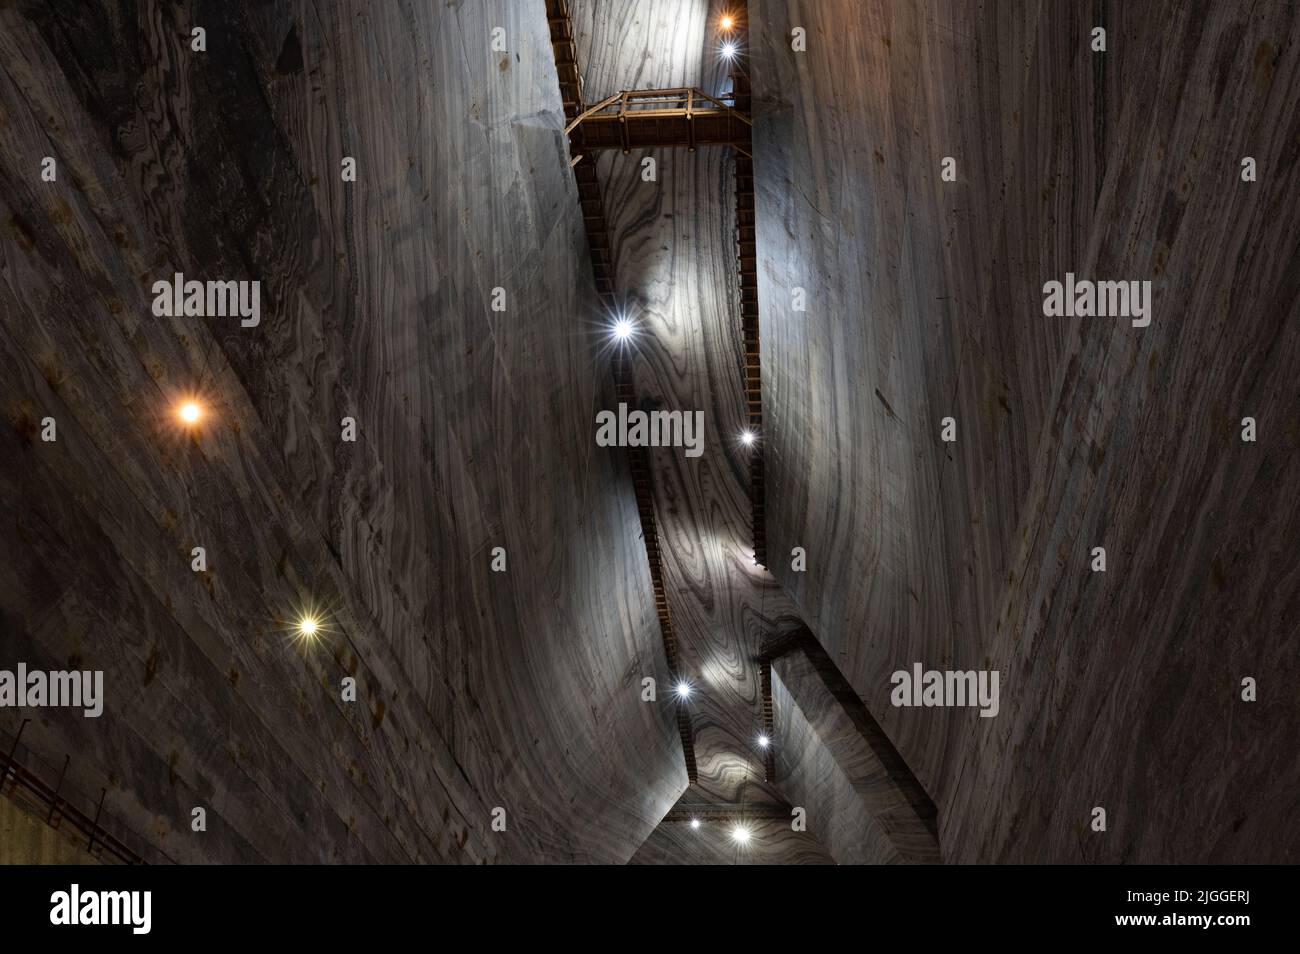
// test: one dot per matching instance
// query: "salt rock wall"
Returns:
(1122, 689)
(476, 690)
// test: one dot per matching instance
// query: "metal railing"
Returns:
(649, 118)
(29, 791)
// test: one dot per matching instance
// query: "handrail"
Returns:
(656, 98)
(59, 806)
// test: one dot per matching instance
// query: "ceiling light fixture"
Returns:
(748, 437)
(764, 741)
(683, 689)
(740, 835)
(726, 23)
(695, 823)
(729, 50)
(308, 626)
(623, 329)
(189, 413)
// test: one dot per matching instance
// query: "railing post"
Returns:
(94, 830)
(54, 802)
(9, 759)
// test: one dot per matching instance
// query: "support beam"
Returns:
(747, 265)
(566, 56)
(769, 725)
(728, 812)
(863, 801)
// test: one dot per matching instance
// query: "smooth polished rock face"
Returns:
(1120, 689)
(475, 690)
(363, 584)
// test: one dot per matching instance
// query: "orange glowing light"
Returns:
(727, 22)
(189, 412)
